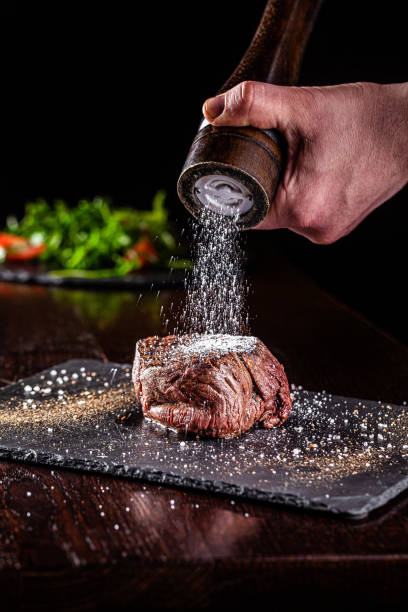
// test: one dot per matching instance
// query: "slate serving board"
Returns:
(336, 454)
(38, 275)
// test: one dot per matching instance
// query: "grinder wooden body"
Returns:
(248, 156)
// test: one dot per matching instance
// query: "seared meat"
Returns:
(216, 386)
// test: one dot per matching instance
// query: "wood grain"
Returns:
(276, 49)
(248, 154)
(37, 330)
(78, 542)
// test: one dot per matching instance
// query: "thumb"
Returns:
(252, 103)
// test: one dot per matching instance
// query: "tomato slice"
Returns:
(18, 248)
(143, 250)
(10, 240)
(25, 252)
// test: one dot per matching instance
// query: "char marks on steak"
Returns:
(210, 385)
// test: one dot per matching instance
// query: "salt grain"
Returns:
(217, 344)
(216, 287)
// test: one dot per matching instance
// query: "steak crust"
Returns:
(216, 386)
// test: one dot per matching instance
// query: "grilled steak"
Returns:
(210, 385)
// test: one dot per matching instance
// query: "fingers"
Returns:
(336, 171)
(252, 103)
(263, 106)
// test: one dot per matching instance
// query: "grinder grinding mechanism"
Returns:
(234, 171)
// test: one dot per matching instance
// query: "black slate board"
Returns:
(335, 454)
(38, 275)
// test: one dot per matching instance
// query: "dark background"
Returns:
(107, 102)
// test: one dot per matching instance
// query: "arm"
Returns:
(347, 149)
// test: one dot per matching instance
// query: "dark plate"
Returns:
(38, 275)
(336, 454)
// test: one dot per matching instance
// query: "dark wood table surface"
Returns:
(82, 542)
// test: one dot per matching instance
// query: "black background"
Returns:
(107, 102)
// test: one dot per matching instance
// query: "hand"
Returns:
(347, 149)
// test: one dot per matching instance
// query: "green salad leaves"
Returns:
(96, 239)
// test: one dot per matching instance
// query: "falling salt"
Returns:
(216, 286)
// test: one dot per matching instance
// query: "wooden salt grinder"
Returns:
(235, 171)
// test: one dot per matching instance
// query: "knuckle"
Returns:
(239, 99)
(247, 91)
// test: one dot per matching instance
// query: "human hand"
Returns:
(347, 149)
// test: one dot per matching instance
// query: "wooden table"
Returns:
(81, 542)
